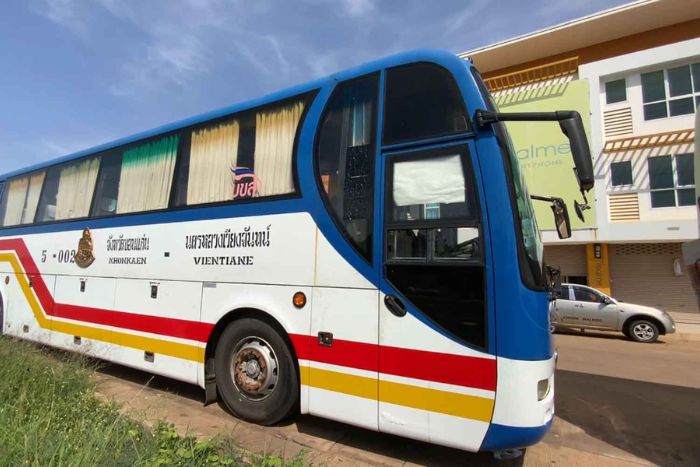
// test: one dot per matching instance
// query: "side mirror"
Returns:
(561, 214)
(561, 218)
(607, 300)
(572, 126)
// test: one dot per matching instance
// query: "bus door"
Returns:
(432, 314)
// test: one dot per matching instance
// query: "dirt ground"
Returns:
(619, 403)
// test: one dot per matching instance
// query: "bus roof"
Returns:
(419, 55)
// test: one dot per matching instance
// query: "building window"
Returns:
(671, 92)
(615, 91)
(671, 181)
(621, 173)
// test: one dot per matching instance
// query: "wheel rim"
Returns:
(254, 368)
(643, 331)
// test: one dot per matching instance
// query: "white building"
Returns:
(641, 65)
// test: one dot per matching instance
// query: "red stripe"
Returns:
(474, 372)
(460, 370)
(172, 327)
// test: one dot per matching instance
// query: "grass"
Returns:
(50, 417)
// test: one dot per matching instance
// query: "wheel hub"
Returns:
(643, 331)
(254, 369)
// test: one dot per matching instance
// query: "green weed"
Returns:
(50, 417)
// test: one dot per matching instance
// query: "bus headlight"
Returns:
(542, 389)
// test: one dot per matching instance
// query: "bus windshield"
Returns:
(526, 214)
(530, 233)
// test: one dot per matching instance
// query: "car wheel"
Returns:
(255, 372)
(642, 330)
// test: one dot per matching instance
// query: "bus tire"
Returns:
(255, 372)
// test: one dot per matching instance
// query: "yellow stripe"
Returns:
(432, 400)
(359, 386)
(435, 400)
(158, 346)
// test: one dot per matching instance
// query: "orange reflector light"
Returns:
(299, 300)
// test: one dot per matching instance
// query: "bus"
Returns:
(361, 248)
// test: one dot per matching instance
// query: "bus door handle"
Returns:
(395, 306)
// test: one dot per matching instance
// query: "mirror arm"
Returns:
(484, 117)
(543, 198)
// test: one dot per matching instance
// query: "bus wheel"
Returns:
(255, 372)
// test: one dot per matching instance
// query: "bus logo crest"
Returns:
(245, 183)
(84, 257)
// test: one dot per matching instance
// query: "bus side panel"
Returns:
(24, 316)
(73, 295)
(337, 391)
(177, 301)
(433, 388)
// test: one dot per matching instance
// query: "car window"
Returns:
(565, 293)
(585, 295)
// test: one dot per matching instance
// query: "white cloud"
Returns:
(65, 13)
(358, 7)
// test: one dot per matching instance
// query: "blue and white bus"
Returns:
(361, 247)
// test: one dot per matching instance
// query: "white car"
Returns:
(581, 307)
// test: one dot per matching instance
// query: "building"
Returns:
(633, 72)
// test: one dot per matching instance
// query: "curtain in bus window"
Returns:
(22, 198)
(75, 185)
(213, 156)
(16, 194)
(428, 181)
(147, 174)
(274, 145)
(36, 181)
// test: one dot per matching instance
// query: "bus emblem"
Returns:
(245, 183)
(84, 256)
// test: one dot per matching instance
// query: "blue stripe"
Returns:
(506, 437)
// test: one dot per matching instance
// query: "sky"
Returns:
(78, 73)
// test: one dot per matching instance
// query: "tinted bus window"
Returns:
(20, 199)
(107, 191)
(422, 101)
(345, 159)
(68, 191)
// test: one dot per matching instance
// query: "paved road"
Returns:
(618, 403)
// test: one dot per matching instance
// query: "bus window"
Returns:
(345, 159)
(433, 252)
(422, 101)
(243, 157)
(146, 175)
(105, 203)
(68, 191)
(20, 199)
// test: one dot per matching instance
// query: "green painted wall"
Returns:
(543, 150)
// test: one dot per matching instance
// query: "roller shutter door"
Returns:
(571, 259)
(643, 273)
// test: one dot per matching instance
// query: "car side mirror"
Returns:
(607, 300)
